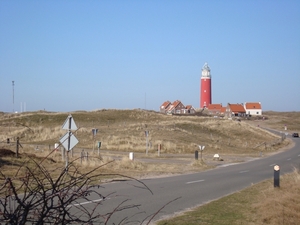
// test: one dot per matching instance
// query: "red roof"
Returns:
(189, 107)
(165, 104)
(236, 108)
(252, 105)
(176, 103)
(214, 107)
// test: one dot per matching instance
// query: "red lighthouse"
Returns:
(205, 91)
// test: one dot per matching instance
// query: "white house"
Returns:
(253, 108)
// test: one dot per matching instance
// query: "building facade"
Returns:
(176, 108)
(235, 110)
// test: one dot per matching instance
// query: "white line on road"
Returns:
(273, 164)
(289, 159)
(244, 171)
(299, 155)
(229, 164)
(88, 202)
(195, 181)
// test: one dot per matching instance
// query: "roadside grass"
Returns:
(259, 204)
(30, 160)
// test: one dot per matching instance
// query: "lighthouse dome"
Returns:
(206, 71)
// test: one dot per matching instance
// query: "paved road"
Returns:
(185, 191)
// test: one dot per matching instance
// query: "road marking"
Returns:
(229, 164)
(88, 202)
(298, 155)
(244, 171)
(289, 159)
(195, 181)
(273, 164)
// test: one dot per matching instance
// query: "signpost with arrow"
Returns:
(69, 140)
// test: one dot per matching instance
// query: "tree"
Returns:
(34, 196)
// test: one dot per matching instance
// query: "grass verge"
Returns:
(258, 204)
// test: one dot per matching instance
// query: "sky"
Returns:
(88, 55)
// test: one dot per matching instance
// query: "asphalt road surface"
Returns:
(173, 194)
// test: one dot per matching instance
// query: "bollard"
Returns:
(276, 176)
(131, 156)
(196, 155)
(158, 149)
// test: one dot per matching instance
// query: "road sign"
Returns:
(65, 141)
(94, 131)
(69, 124)
(201, 147)
(69, 140)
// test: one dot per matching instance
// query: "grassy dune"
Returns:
(124, 130)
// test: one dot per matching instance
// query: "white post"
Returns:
(131, 156)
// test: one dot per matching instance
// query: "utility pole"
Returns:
(145, 100)
(13, 84)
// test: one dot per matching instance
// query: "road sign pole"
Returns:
(68, 140)
(201, 150)
(93, 143)
(146, 134)
(94, 131)
(69, 130)
(69, 143)
(67, 160)
(147, 145)
(99, 145)
(63, 153)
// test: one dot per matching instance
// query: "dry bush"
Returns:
(34, 194)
